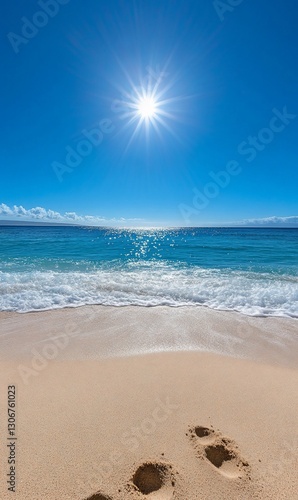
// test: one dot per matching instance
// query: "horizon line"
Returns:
(18, 223)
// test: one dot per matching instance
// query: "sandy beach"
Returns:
(162, 403)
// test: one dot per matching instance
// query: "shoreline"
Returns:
(171, 306)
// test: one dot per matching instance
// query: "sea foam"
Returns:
(154, 284)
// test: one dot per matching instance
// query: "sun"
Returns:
(147, 107)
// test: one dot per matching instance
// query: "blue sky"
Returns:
(226, 80)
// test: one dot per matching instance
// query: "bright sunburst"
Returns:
(147, 107)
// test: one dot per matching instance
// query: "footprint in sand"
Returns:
(153, 477)
(220, 451)
(98, 496)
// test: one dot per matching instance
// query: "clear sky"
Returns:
(221, 76)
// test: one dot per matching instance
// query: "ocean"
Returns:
(253, 271)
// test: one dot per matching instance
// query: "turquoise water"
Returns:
(254, 271)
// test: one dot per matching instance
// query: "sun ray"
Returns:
(150, 105)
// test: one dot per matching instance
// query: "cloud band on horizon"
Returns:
(41, 214)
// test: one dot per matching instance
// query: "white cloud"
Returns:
(41, 214)
(5, 210)
(272, 221)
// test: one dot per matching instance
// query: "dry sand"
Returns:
(102, 408)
